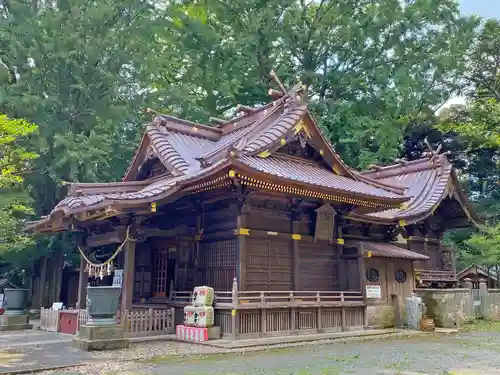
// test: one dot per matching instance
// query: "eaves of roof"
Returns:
(427, 182)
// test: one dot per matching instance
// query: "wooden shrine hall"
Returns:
(261, 208)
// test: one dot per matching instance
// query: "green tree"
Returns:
(477, 126)
(372, 67)
(15, 203)
(85, 79)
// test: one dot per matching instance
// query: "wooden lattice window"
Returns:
(160, 282)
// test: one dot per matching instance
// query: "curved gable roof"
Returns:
(426, 182)
(191, 151)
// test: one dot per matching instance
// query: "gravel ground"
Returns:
(468, 353)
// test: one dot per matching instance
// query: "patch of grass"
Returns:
(330, 371)
(481, 326)
(192, 358)
(343, 358)
(397, 365)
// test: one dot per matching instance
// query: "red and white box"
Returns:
(191, 334)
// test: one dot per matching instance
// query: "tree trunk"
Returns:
(42, 281)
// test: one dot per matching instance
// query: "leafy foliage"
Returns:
(85, 73)
(375, 70)
(477, 125)
(372, 67)
(15, 203)
(485, 246)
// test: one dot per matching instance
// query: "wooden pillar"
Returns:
(128, 276)
(234, 311)
(83, 278)
(295, 216)
(241, 224)
(362, 280)
(295, 257)
(431, 260)
(43, 281)
(199, 220)
(341, 278)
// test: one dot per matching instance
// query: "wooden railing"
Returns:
(244, 314)
(49, 320)
(148, 322)
(269, 299)
(83, 317)
(436, 276)
(137, 322)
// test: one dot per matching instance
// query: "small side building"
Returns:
(477, 273)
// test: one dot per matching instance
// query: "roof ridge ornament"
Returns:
(156, 117)
(298, 92)
(432, 153)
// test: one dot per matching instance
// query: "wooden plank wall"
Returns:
(269, 261)
(318, 266)
(269, 220)
(388, 285)
(269, 264)
(186, 266)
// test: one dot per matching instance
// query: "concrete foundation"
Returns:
(447, 306)
(214, 333)
(100, 338)
(380, 316)
(14, 323)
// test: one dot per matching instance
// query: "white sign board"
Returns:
(373, 291)
(57, 306)
(118, 278)
(1, 300)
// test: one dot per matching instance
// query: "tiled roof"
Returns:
(426, 183)
(310, 173)
(273, 132)
(191, 151)
(74, 203)
(385, 250)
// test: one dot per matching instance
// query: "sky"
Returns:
(483, 8)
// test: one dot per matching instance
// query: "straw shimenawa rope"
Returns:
(115, 254)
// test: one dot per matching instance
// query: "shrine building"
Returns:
(262, 209)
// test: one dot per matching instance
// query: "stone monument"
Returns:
(102, 331)
(15, 303)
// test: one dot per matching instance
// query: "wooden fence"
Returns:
(436, 276)
(49, 320)
(83, 317)
(289, 321)
(140, 322)
(246, 314)
(148, 322)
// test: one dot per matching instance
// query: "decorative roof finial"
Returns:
(278, 81)
(432, 153)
